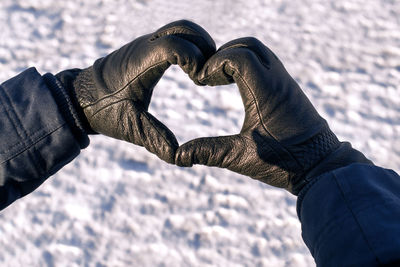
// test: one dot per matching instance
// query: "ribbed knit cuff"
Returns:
(68, 110)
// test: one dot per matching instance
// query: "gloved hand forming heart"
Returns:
(283, 141)
(114, 94)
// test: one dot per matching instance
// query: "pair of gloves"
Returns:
(283, 142)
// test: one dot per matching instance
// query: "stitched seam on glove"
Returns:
(262, 122)
(108, 105)
(125, 86)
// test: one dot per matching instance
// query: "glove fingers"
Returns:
(156, 137)
(236, 60)
(264, 54)
(183, 53)
(214, 71)
(267, 90)
(239, 65)
(151, 52)
(211, 151)
(191, 32)
(186, 44)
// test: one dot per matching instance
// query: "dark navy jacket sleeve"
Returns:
(37, 135)
(351, 217)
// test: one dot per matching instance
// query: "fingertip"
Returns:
(217, 71)
(164, 147)
(202, 74)
(169, 145)
(182, 157)
(186, 44)
(168, 155)
(195, 66)
(204, 151)
(187, 153)
(159, 139)
(183, 53)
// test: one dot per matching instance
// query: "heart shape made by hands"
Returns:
(282, 139)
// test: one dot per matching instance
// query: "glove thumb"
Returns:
(210, 151)
(156, 137)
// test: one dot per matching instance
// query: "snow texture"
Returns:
(117, 205)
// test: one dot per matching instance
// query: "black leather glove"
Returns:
(283, 141)
(115, 92)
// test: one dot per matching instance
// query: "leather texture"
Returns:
(282, 138)
(115, 92)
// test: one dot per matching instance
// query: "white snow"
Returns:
(117, 205)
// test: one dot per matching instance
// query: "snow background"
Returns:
(117, 205)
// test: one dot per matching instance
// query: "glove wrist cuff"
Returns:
(344, 155)
(72, 114)
(341, 157)
(310, 154)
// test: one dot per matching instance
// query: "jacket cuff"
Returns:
(36, 140)
(349, 216)
(68, 110)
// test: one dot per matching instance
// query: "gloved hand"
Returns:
(115, 92)
(283, 141)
